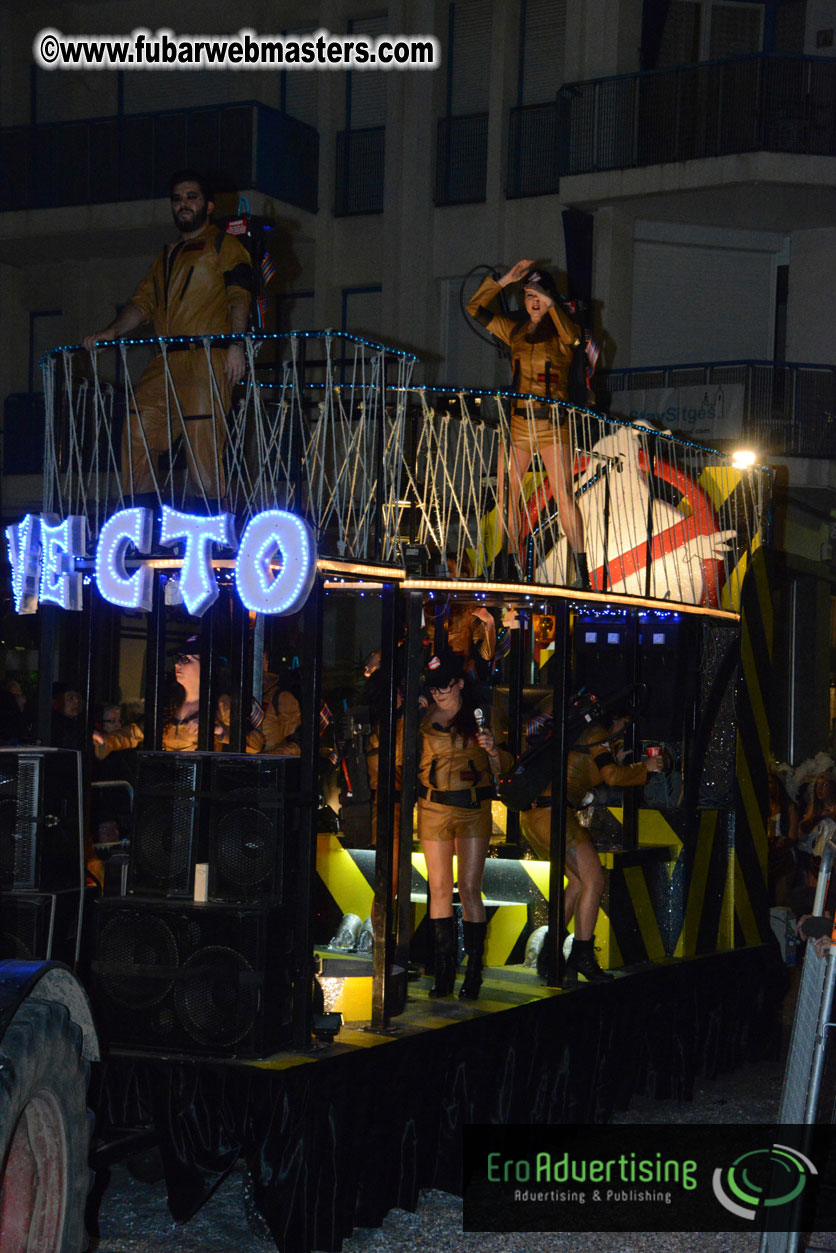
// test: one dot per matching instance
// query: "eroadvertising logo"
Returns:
(739, 1190)
(667, 1177)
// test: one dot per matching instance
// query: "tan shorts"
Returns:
(536, 826)
(544, 430)
(445, 822)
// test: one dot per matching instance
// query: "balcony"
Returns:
(461, 160)
(361, 163)
(130, 157)
(788, 409)
(778, 104)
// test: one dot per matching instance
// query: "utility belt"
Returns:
(467, 798)
(540, 413)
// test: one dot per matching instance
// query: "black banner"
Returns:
(691, 1177)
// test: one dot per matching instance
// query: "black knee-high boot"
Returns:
(581, 571)
(474, 946)
(582, 961)
(445, 956)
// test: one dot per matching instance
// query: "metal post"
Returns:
(46, 672)
(385, 805)
(414, 657)
(207, 711)
(630, 799)
(155, 666)
(242, 678)
(561, 690)
(309, 803)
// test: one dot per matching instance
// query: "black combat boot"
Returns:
(445, 956)
(582, 961)
(474, 946)
(581, 572)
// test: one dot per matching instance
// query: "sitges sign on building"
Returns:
(275, 560)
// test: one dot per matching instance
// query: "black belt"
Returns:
(461, 800)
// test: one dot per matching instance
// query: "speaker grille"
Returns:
(217, 997)
(137, 959)
(166, 824)
(205, 979)
(245, 841)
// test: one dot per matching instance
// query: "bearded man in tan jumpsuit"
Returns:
(199, 286)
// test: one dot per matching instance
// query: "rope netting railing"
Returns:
(331, 427)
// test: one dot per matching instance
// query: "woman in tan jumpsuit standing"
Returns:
(459, 760)
(542, 347)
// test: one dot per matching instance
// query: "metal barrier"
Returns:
(808, 1044)
(788, 408)
(375, 464)
(747, 104)
(130, 157)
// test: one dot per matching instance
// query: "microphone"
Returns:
(480, 719)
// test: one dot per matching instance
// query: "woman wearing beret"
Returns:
(459, 760)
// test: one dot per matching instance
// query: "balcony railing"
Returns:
(461, 160)
(360, 171)
(131, 157)
(375, 463)
(532, 151)
(789, 409)
(714, 109)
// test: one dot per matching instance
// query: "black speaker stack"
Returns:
(212, 977)
(41, 854)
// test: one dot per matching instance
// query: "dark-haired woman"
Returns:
(182, 716)
(459, 759)
(542, 346)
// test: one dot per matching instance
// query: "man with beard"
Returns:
(198, 286)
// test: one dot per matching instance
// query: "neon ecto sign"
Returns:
(44, 554)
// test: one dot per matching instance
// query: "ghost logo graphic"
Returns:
(762, 1179)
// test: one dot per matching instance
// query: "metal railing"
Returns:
(361, 156)
(712, 109)
(461, 160)
(131, 156)
(789, 408)
(333, 429)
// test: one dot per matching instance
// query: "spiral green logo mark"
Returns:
(784, 1170)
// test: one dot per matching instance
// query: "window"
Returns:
(299, 89)
(468, 58)
(542, 41)
(710, 30)
(365, 91)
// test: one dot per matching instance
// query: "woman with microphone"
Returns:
(459, 761)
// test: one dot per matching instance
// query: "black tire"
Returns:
(44, 1131)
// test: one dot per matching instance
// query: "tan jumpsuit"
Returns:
(541, 357)
(455, 785)
(190, 289)
(590, 762)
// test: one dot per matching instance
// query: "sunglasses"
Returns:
(183, 659)
(445, 688)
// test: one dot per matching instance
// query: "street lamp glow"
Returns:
(743, 459)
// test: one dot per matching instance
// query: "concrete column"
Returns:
(612, 284)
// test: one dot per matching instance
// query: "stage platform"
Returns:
(337, 1135)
